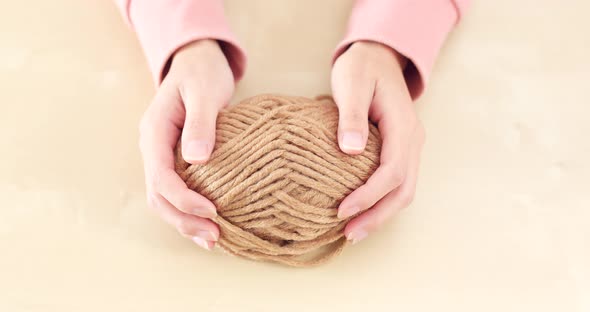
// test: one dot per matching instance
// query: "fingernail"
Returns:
(196, 150)
(352, 141)
(347, 211)
(205, 244)
(357, 236)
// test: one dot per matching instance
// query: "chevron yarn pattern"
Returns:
(277, 176)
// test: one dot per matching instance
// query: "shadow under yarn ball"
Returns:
(277, 176)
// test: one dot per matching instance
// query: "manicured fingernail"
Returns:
(196, 150)
(357, 236)
(352, 141)
(347, 211)
(207, 235)
(205, 244)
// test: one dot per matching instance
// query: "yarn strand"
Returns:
(277, 176)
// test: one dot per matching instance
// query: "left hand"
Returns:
(368, 82)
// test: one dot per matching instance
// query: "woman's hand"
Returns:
(368, 82)
(198, 84)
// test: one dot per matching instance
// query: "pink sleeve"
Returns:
(414, 28)
(164, 26)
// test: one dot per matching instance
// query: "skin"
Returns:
(367, 82)
(198, 85)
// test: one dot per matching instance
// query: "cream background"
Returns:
(500, 222)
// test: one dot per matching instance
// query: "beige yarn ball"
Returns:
(277, 176)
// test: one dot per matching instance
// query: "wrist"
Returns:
(197, 45)
(193, 52)
(382, 49)
(199, 48)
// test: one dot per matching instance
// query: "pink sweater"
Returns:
(415, 28)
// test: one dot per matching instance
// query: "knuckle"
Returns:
(185, 226)
(156, 178)
(406, 198)
(193, 124)
(152, 201)
(182, 203)
(199, 123)
(384, 215)
(355, 117)
(396, 177)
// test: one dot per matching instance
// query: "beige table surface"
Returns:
(500, 222)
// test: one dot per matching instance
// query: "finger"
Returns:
(202, 231)
(172, 187)
(359, 227)
(353, 95)
(158, 139)
(160, 126)
(198, 134)
(390, 174)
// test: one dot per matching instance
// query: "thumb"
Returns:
(198, 134)
(353, 100)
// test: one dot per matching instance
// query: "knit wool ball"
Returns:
(277, 176)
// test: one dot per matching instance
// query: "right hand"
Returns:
(199, 83)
